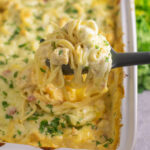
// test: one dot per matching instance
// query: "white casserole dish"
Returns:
(129, 103)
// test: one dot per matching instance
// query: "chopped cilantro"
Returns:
(43, 125)
(8, 116)
(109, 7)
(35, 116)
(92, 125)
(22, 45)
(90, 11)
(71, 10)
(78, 122)
(38, 38)
(26, 60)
(15, 74)
(39, 144)
(52, 128)
(15, 56)
(19, 132)
(68, 120)
(38, 17)
(14, 136)
(97, 143)
(4, 93)
(11, 85)
(42, 70)
(4, 79)
(5, 104)
(106, 145)
(110, 140)
(40, 29)
(60, 52)
(51, 108)
(62, 125)
(16, 32)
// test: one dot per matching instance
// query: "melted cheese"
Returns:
(28, 120)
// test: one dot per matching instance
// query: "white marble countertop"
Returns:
(143, 126)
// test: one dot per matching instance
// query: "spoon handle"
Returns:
(129, 59)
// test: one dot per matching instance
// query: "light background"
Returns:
(143, 124)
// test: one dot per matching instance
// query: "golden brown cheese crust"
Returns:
(22, 24)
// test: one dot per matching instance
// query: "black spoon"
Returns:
(118, 60)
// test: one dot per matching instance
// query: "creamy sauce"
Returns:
(28, 120)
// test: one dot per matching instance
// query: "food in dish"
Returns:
(41, 111)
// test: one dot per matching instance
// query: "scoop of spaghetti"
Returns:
(79, 45)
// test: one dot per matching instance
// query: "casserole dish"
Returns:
(129, 31)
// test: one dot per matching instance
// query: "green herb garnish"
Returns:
(52, 127)
(35, 116)
(15, 74)
(4, 79)
(51, 108)
(8, 116)
(60, 52)
(5, 104)
(40, 29)
(43, 125)
(90, 11)
(71, 10)
(16, 32)
(62, 125)
(38, 38)
(39, 144)
(26, 60)
(106, 145)
(68, 120)
(22, 45)
(4, 93)
(97, 143)
(15, 56)
(109, 7)
(42, 70)
(11, 85)
(19, 132)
